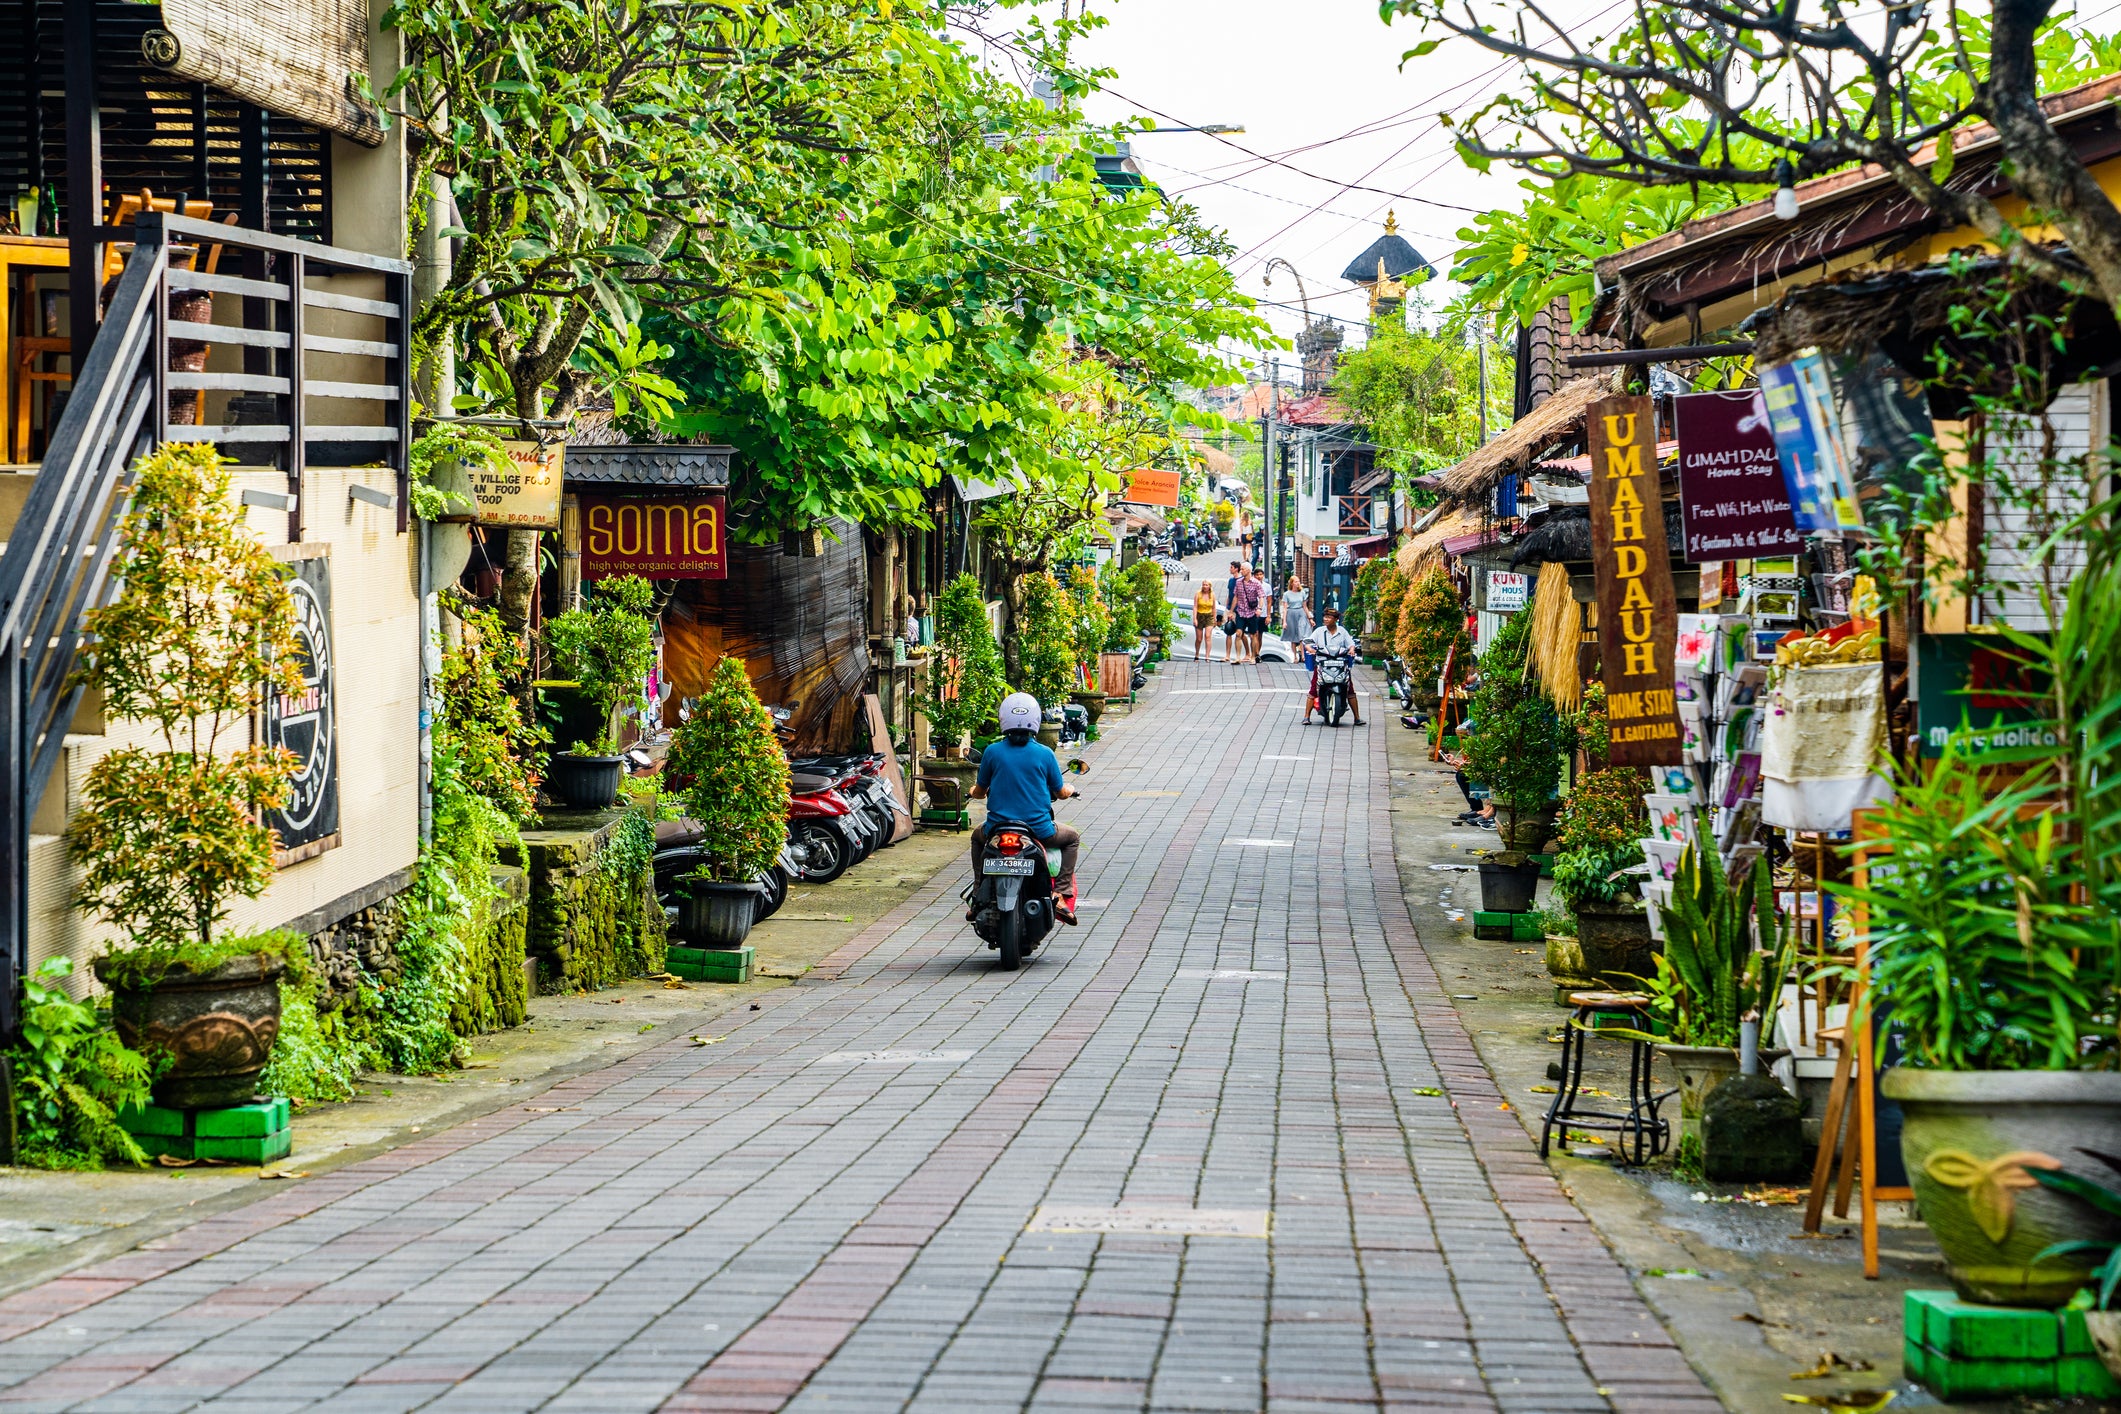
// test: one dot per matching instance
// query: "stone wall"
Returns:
(594, 917)
(365, 943)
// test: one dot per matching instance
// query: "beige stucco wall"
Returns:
(374, 601)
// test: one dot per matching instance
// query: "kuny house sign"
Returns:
(1638, 612)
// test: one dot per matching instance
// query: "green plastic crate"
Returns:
(256, 1133)
(243, 1121)
(711, 964)
(1963, 1350)
(1966, 1330)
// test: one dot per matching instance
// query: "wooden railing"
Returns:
(1354, 514)
(59, 558)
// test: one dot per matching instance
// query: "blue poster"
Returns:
(1801, 415)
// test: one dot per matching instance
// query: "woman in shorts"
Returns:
(1203, 618)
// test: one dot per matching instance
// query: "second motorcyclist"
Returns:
(1329, 638)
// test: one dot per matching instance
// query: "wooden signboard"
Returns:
(668, 535)
(526, 492)
(1638, 612)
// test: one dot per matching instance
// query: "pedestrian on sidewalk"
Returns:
(1249, 604)
(1203, 618)
(1237, 572)
(1295, 612)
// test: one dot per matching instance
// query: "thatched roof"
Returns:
(1559, 419)
(1418, 552)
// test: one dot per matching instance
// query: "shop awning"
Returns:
(649, 464)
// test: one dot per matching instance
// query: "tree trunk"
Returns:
(519, 580)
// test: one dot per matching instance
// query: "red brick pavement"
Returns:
(747, 1229)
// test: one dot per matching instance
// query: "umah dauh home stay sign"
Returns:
(656, 536)
(1638, 611)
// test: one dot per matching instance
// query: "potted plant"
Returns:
(1088, 629)
(601, 656)
(738, 794)
(203, 628)
(1115, 664)
(1377, 581)
(1430, 626)
(1045, 646)
(2101, 1321)
(1152, 607)
(965, 682)
(1596, 837)
(1714, 975)
(1995, 937)
(1513, 743)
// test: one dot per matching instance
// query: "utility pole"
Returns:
(1269, 469)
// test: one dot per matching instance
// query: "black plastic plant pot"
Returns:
(584, 782)
(718, 915)
(1508, 888)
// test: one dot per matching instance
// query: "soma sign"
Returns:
(1638, 612)
(656, 536)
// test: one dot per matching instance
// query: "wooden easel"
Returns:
(1443, 706)
(1855, 1068)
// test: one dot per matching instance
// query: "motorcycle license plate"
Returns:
(1007, 864)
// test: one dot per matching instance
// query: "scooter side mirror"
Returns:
(1077, 766)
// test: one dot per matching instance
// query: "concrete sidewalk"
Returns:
(1227, 1146)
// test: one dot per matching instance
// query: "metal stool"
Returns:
(1640, 1125)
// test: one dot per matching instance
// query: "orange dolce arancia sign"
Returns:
(655, 536)
(1638, 613)
(1151, 486)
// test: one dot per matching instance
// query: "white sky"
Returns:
(1324, 76)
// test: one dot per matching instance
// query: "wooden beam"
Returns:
(84, 179)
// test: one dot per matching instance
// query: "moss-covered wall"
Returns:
(590, 923)
(498, 995)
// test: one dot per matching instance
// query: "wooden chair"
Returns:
(130, 204)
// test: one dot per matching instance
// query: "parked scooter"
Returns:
(832, 833)
(678, 853)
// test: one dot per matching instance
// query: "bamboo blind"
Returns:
(297, 57)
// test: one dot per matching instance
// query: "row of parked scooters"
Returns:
(840, 811)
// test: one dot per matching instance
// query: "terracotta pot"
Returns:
(1969, 1139)
(1701, 1069)
(584, 782)
(217, 1027)
(1616, 943)
(718, 915)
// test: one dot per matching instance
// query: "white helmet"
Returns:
(1020, 712)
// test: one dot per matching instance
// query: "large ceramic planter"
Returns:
(1508, 888)
(584, 782)
(217, 1028)
(1049, 733)
(1969, 1139)
(1565, 960)
(1616, 943)
(1700, 1070)
(718, 915)
(2104, 1327)
(1530, 831)
(1092, 703)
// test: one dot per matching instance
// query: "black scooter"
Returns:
(1334, 679)
(1012, 901)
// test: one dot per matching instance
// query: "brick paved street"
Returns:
(829, 1206)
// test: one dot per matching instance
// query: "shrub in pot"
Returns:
(739, 796)
(965, 682)
(167, 836)
(1715, 973)
(1995, 937)
(601, 654)
(1514, 748)
(1598, 829)
(1045, 648)
(1089, 627)
(1144, 583)
(1430, 626)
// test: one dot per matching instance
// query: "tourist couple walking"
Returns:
(1244, 614)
